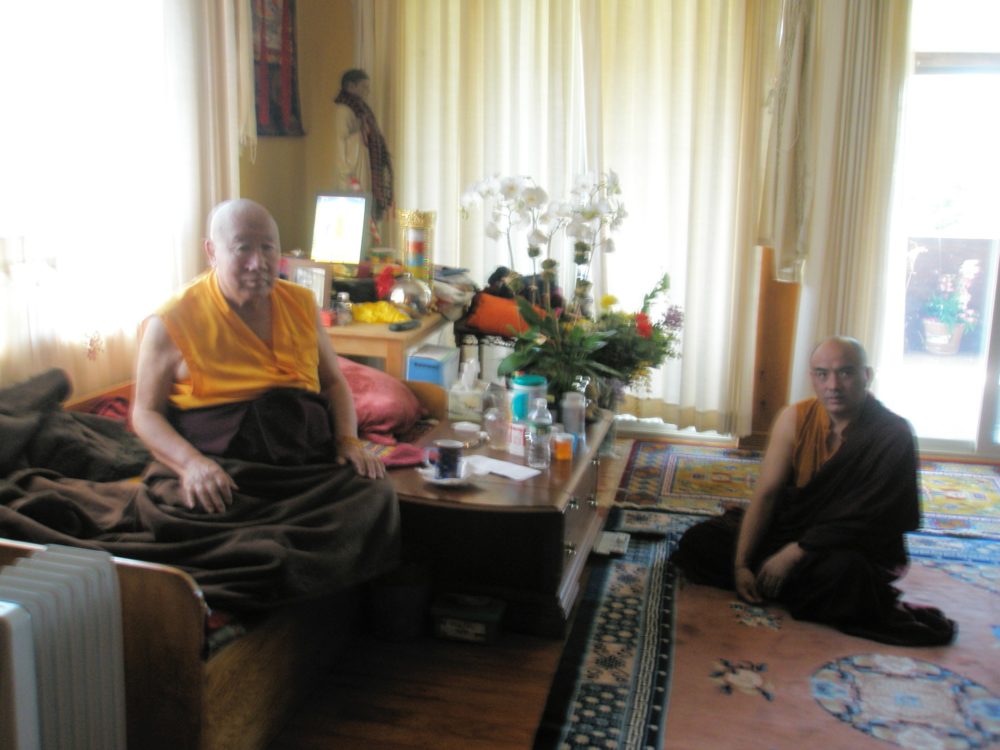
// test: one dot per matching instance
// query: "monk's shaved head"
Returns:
(230, 213)
(848, 344)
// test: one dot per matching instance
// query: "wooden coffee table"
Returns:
(523, 542)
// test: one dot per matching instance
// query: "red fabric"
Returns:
(404, 454)
(385, 280)
(113, 407)
(384, 405)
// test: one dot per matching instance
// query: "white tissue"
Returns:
(470, 374)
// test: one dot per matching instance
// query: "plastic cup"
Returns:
(562, 446)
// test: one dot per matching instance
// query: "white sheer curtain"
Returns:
(682, 86)
(831, 167)
(467, 90)
(121, 129)
(667, 94)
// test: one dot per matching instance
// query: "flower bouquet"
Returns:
(639, 342)
(567, 344)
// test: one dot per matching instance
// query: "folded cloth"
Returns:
(402, 454)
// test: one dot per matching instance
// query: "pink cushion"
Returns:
(385, 406)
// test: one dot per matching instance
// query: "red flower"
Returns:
(384, 281)
(642, 325)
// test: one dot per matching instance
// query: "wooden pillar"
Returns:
(779, 302)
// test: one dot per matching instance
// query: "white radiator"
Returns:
(62, 683)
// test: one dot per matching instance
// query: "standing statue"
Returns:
(361, 160)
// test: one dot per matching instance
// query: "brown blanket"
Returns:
(293, 532)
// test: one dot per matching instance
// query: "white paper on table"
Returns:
(487, 465)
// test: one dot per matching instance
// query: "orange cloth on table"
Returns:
(812, 425)
(228, 362)
(498, 316)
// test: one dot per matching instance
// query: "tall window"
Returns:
(107, 166)
(946, 223)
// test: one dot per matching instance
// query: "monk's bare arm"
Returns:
(345, 420)
(204, 483)
(774, 472)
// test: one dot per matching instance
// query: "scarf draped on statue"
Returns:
(378, 152)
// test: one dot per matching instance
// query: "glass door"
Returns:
(938, 364)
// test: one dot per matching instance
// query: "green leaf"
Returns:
(662, 287)
(527, 311)
(515, 361)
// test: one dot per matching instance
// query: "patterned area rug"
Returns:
(613, 680)
(653, 663)
(786, 683)
(960, 499)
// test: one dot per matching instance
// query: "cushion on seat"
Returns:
(385, 407)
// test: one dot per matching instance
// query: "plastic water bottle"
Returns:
(342, 307)
(496, 397)
(538, 439)
(496, 415)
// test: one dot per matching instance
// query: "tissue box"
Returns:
(433, 364)
(466, 404)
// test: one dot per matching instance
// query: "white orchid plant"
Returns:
(519, 205)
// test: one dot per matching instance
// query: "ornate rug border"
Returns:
(649, 498)
(637, 714)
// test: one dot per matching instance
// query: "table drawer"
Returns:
(579, 514)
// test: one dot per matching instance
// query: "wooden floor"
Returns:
(430, 694)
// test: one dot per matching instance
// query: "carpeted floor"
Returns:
(785, 684)
(653, 662)
(961, 499)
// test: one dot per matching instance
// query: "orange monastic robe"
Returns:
(812, 425)
(228, 363)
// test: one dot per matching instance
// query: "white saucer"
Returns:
(465, 475)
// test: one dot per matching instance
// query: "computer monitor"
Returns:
(340, 227)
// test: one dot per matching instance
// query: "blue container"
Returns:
(433, 364)
(524, 390)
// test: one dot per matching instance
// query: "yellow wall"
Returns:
(288, 172)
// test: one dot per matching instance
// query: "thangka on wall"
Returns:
(275, 68)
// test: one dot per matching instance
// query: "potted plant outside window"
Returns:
(947, 313)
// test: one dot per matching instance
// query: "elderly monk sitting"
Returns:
(240, 400)
(823, 534)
